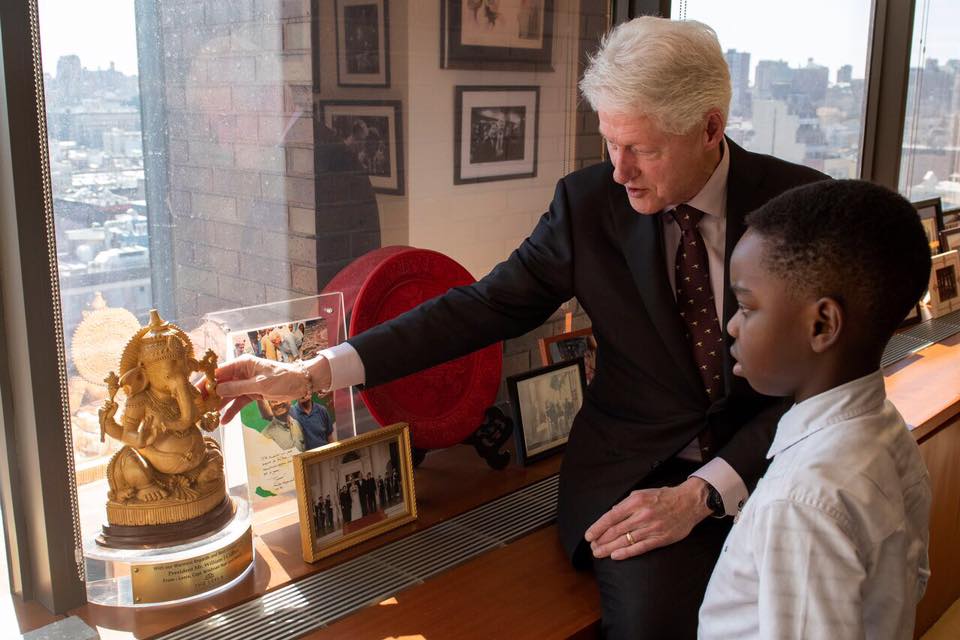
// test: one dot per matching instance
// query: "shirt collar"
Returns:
(712, 197)
(847, 401)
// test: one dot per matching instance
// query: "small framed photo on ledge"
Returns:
(354, 490)
(945, 284)
(495, 134)
(950, 239)
(570, 346)
(931, 216)
(544, 403)
(363, 43)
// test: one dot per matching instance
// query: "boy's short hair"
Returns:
(856, 242)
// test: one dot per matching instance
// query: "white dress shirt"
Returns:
(833, 541)
(347, 369)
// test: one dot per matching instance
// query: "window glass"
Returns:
(930, 166)
(797, 71)
(208, 155)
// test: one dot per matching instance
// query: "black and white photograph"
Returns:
(931, 216)
(511, 35)
(495, 133)
(371, 133)
(363, 43)
(944, 286)
(544, 403)
(354, 490)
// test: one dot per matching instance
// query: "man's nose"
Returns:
(623, 169)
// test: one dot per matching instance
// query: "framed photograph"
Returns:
(371, 131)
(945, 283)
(931, 215)
(913, 317)
(570, 346)
(506, 35)
(363, 43)
(353, 490)
(544, 402)
(950, 239)
(495, 133)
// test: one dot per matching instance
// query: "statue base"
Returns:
(178, 571)
(159, 535)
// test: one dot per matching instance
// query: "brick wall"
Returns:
(243, 196)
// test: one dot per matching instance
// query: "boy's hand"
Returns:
(653, 518)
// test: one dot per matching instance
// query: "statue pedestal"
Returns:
(156, 575)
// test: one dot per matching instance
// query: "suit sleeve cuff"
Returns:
(721, 476)
(346, 367)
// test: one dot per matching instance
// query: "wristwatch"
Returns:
(715, 502)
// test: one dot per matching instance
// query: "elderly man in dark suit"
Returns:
(667, 436)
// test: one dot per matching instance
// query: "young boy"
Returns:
(833, 541)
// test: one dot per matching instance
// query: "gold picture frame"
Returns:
(338, 506)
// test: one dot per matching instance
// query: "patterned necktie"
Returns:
(695, 301)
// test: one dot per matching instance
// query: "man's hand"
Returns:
(249, 378)
(653, 518)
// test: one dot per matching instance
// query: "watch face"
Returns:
(715, 502)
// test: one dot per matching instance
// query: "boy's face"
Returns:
(771, 345)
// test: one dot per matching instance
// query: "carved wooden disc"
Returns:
(443, 404)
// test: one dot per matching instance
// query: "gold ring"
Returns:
(630, 538)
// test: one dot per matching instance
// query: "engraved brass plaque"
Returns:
(163, 582)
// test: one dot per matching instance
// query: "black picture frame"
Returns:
(363, 42)
(949, 239)
(519, 45)
(930, 211)
(379, 155)
(478, 155)
(529, 389)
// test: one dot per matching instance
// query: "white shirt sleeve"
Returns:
(810, 574)
(346, 367)
(721, 476)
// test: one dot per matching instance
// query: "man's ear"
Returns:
(828, 323)
(713, 131)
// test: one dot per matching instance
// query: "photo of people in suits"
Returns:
(548, 400)
(355, 490)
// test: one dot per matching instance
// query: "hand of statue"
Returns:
(210, 420)
(108, 411)
(249, 378)
(653, 518)
(148, 430)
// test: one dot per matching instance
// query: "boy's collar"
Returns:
(847, 401)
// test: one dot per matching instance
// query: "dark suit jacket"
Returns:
(646, 399)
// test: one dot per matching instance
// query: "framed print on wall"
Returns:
(544, 403)
(363, 43)
(507, 35)
(354, 490)
(931, 216)
(371, 130)
(495, 133)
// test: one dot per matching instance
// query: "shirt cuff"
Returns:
(721, 476)
(346, 367)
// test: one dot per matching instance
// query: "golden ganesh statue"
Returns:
(166, 483)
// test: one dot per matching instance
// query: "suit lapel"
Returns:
(641, 239)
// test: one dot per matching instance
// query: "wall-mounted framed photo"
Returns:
(944, 283)
(506, 35)
(354, 490)
(363, 43)
(950, 239)
(371, 131)
(495, 133)
(544, 402)
(570, 346)
(931, 216)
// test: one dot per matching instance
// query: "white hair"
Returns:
(672, 72)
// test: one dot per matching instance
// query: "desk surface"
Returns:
(526, 587)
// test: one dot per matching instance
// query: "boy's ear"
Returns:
(828, 322)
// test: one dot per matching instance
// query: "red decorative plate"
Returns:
(443, 404)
